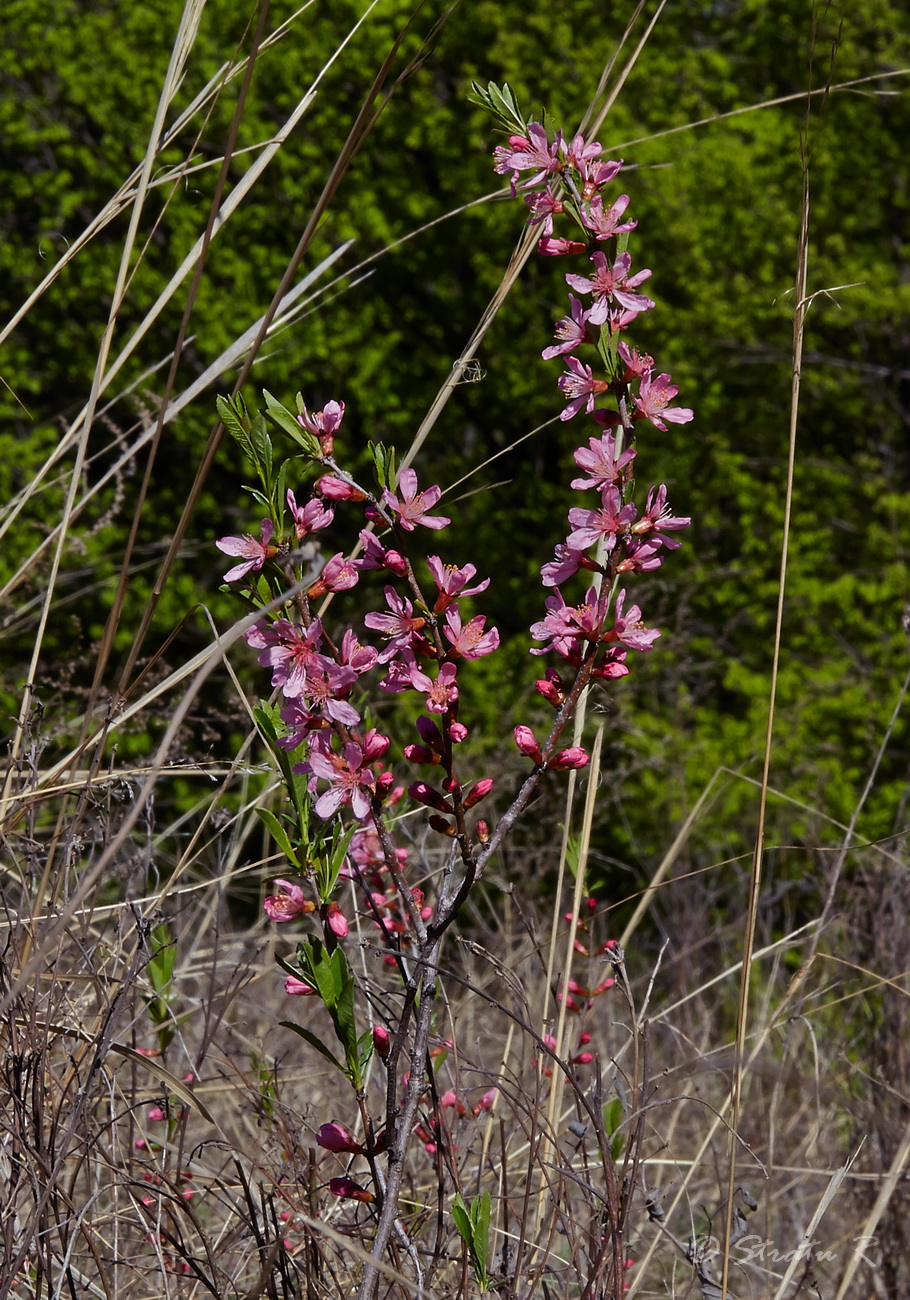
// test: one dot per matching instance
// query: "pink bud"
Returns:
(440, 824)
(457, 732)
(348, 1188)
(583, 1058)
(420, 754)
(374, 745)
(335, 489)
(524, 739)
(479, 790)
(573, 757)
(425, 794)
(483, 831)
(155, 1115)
(550, 247)
(297, 987)
(336, 921)
(335, 1137)
(381, 1041)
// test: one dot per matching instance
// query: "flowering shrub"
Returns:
(339, 772)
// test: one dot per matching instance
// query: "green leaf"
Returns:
(463, 1220)
(281, 416)
(161, 964)
(279, 835)
(315, 1042)
(480, 1219)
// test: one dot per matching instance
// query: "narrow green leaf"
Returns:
(279, 835)
(315, 1042)
(281, 416)
(463, 1221)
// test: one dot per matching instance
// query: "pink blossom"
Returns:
(610, 521)
(288, 904)
(558, 624)
(451, 582)
(580, 387)
(450, 1101)
(470, 641)
(296, 988)
(641, 556)
(572, 330)
(397, 626)
(544, 206)
(486, 1101)
(381, 1041)
(339, 574)
(326, 693)
(657, 518)
(440, 693)
(291, 651)
(155, 1115)
(323, 424)
(605, 224)
(653, 401)
(532, 153)
(411, 506)
(612, 666)
(376, 556)
(348, 781)
(254, 553)
(309, 518)
(629, 630)
(578, 153)
(636, 363)
(566, 563)
(612, 284)
(602, 466)
(361, 658)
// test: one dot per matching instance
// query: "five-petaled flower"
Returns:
(411, 506)
(254, 554)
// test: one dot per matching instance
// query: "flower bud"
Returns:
(348, 1188)
(479, 790)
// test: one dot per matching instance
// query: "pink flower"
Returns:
(629, 630)
(296, 988)
(449, 1100)
(339, 574)
(612, 520)
(323, 424)
(288, 904)
(531, 153)
(291, 651)
(376, 556)
(155, 1115)
(606, 223)
(544, 206)
(657, 517)
(308, 518)
(636, 363)
(450, 582)
(612, 284)
(551, 688)
(254, 553)
(603, 468)
(580, 387)
(470, 641)
(440, 693)
(641, 556)
(412, 506)
(572, 330)
(349, 783)
(381, 1041)
(397, 626)
(653, 401)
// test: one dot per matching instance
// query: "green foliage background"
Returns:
(718, 210)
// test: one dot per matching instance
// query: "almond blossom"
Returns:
(411, 506)
(612, 284)
(254, 553)
(653, 402)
